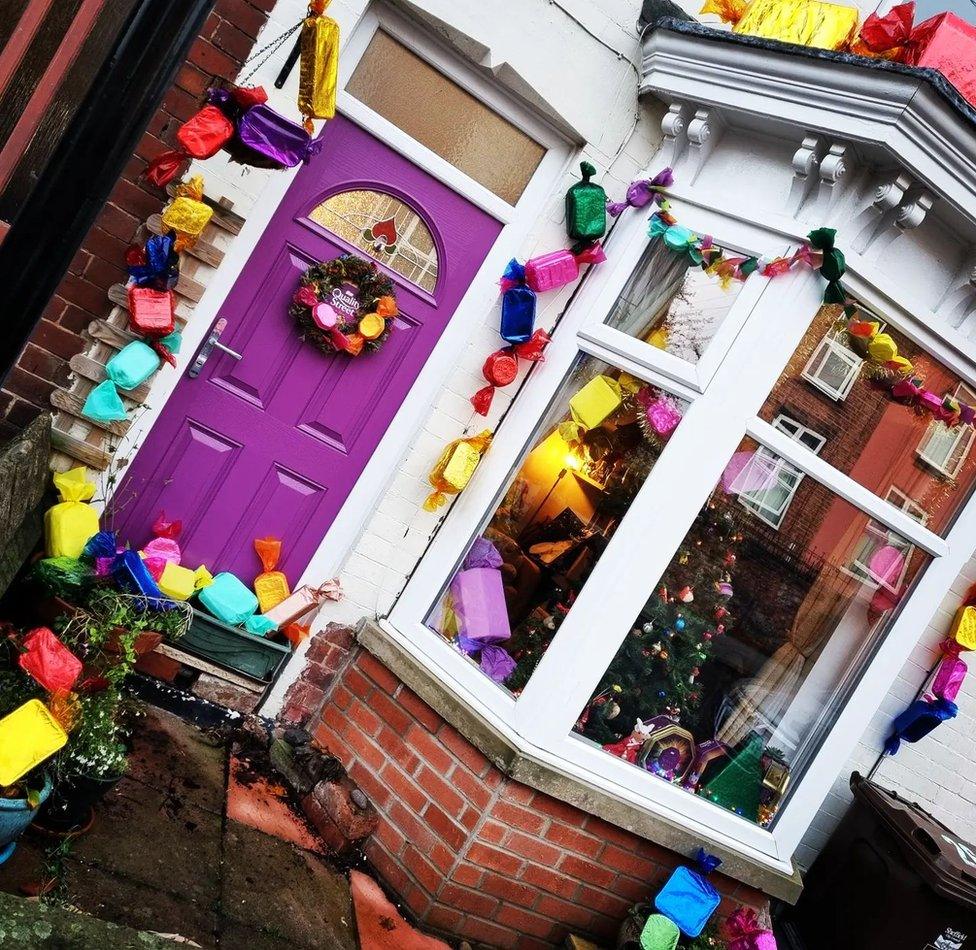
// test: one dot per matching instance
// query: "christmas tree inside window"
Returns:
(517, 581)
(749, 641)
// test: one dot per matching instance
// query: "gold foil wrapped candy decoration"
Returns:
(318, 73)
(187, 214)
(455, 467)
(371, 326)
(802, 22)
(964, 628)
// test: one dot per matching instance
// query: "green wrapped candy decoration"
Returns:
(659, 933)
(586, 207)
(65, 577)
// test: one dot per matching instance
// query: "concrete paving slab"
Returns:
(178, 759)
(157, 840)
(270, 881)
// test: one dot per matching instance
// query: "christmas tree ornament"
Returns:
(453, 470)
(187, 214)
(736, 786)
(648, 627)
(554, 270)
(28, 736)
(800, 22)
(586, 207)
(69, 524)
(319, 69)
(518, 304)
(686, 595)
(271, 586)
(49, 661)
(228, 599)
(201, 136)
(642, 192)
(659, 933)
(274, 140)
(687, 897)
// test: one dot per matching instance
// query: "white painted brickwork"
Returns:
(533, 45)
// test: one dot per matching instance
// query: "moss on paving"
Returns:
(30, 924)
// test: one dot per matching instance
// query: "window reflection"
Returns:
(751, 639)
(881, 443)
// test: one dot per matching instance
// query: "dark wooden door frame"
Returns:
(70, 193)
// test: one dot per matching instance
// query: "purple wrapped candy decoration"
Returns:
(642, 192)
(483, 554)
(276, 138)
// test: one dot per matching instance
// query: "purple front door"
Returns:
(273, 443)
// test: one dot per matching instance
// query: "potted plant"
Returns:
(19, 805)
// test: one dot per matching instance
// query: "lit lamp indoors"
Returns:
(571, 463)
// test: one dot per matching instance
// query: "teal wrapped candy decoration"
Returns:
(132, 365)
(104, 404)
(676, 237)
(586, 207)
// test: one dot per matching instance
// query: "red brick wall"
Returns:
(472, 853)
(223, 44)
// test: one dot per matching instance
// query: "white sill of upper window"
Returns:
(531, 766)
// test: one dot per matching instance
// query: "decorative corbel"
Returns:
(806, 161)
(958, 304)
(880, 216)
(833, 169)
(704, 133)
(674, 126)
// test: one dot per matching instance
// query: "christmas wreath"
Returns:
(345, 305)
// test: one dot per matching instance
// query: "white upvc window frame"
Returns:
(859, 568)
(937, 430)
(831, 346)
(726, 389)
(755, 501)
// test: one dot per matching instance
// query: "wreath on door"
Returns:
(345, 305)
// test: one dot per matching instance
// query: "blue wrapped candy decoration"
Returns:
(687, 898)
(518, 305)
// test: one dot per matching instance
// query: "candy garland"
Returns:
(501, 367)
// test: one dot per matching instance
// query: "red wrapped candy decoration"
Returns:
(49, 661)
(201, 136)
(501, 367)
(151, 311)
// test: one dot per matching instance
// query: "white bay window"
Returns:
(697, 617)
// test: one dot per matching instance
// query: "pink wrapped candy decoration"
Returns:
(560, 267)
(949, 677)
(745, 932)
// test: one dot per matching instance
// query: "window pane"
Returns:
(409, 92)
(517, 582)
(386, 229)
(671, 303)
(879, 442)
(750, 641)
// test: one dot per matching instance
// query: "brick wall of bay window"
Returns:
(223, 44)
(472, 853)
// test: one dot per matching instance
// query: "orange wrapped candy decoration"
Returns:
(271, 586)
(454, 468)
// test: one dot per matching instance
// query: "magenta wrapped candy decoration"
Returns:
(479, 602)
(560, 267)
(949, 678)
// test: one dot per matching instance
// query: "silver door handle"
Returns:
(210, 344)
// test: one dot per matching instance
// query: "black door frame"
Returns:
(77, 181)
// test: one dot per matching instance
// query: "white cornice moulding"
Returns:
(900, 113)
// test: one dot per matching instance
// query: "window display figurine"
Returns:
(628, 748)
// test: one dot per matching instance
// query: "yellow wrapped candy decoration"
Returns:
(69, 525)
(177, 582)
(659, 337)
(202, 577)
(882, 348)
(28, 736)
(187, 214)
(802, 22)
(454, 468)
(964, 628)
(597, 400)
(318, 73)
(371, 326)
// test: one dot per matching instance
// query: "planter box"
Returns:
(232, 648)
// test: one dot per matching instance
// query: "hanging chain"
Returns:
(266, 52)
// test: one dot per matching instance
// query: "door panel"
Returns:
(273, 443)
